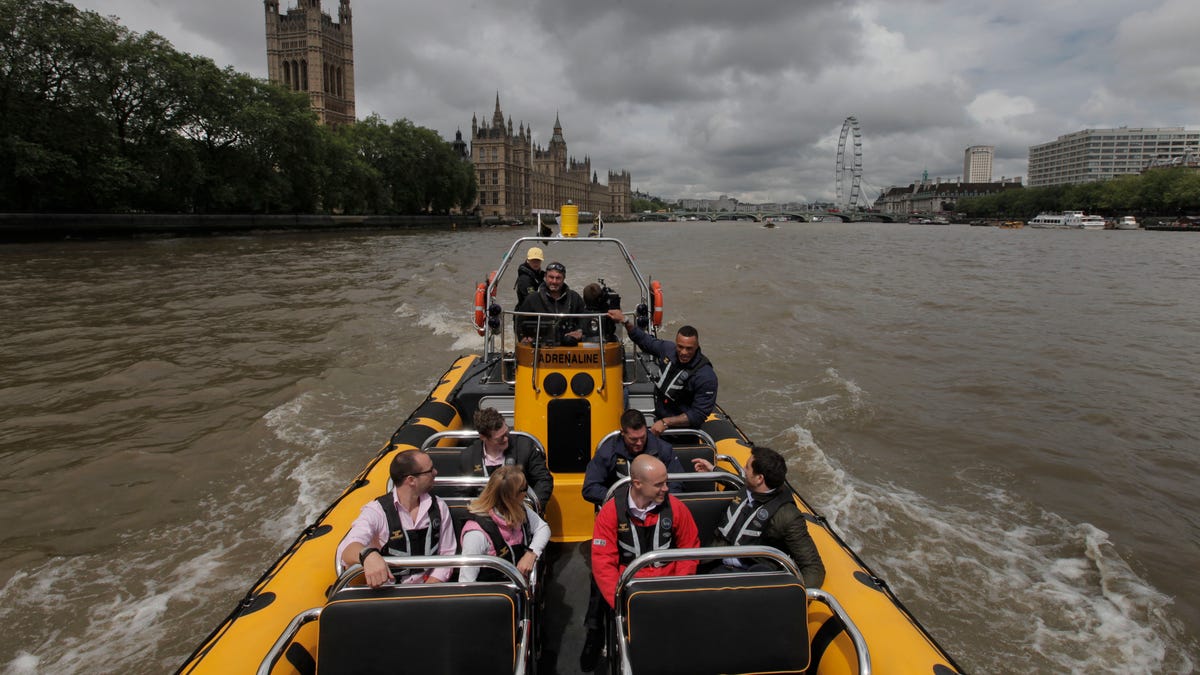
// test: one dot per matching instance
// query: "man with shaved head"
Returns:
(641, 517)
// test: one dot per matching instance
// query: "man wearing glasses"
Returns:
(495, 449)
(408, 521)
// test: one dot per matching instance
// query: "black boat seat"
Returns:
(707, 509)
(421, 629)
(669, 622)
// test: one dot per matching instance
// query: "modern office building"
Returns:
(307, 51)
(1100, 154)
(977, 164)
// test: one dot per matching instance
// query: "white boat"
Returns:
(1092, 223)
(1128, 223)
(1066, 219)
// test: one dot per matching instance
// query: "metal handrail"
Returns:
(856, 636)
(733, 480)
(672, 554)
(472, 434)
(509, 570)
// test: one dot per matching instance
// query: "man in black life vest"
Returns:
(640, 518)
(553, 297)
(764, 513)
(613, 457)
(686, 390)
(529, 274)
(408, 521)
(495, 449)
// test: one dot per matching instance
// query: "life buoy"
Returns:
(480, 295)
(480, 300)
(656, 301)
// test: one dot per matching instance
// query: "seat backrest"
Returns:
(707, 509)
(420, 629)
(686, 453)
(669, 623)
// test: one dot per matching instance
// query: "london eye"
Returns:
(848, 174)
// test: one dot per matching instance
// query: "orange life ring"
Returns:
(656, 295)
(480, 315)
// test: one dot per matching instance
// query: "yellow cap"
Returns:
(534, 253)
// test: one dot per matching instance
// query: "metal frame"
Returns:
(716, 553)
(730, 479)
(524, 588)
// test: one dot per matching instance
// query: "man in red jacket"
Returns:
(638, 519)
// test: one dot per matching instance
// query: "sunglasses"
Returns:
(556, 267)
(422, 473)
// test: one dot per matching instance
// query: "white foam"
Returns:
(1057, 589)
(453, 324)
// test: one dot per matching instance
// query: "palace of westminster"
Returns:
(307, 51)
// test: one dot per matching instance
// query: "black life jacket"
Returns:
(745, 521)
(635, 539)
(503, 550)
(535, 280)
(672, 387)
(401, 541)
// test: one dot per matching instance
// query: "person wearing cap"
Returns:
(552, 297)
(529, 274)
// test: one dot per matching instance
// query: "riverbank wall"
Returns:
(52, 226)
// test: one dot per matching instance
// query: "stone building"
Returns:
(307, 51)
(936, 196)
(515, 175)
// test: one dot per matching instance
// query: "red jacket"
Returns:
(606, 552)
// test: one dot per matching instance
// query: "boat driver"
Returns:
(408, 521)
(552, 297)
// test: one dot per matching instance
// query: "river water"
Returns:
(1002, 422)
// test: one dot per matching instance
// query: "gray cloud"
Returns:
(705, 97)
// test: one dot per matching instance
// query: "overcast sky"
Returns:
(699, 98)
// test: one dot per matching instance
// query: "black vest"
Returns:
(744, 523)
(672, 387)
(400, 541)
(634, 539)
(503, 550)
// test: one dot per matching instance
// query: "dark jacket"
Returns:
(521, 452)
(788, 531)
(698, 394)
(603, 469)
(568, 302)
(528, 281)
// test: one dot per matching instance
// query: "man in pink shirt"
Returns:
(408, 521)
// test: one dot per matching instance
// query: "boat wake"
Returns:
(1059, 592)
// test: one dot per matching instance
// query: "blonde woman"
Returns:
(499, 523)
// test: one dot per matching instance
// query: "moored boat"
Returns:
(1092, 223)
(306, 615)
(1057, 221)
(1128, 223)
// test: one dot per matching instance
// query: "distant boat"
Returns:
(1128, 223)
(1092, 223)
(1066, 219)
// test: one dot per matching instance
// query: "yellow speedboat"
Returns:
(307, 615)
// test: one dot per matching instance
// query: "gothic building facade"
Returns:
(307, 51)
(515, 175)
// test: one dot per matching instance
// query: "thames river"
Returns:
(1002, 422)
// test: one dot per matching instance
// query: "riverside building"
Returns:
(1100, 154)
(307, 51)
(977, 164)
(515, 175)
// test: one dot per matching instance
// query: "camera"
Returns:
(609, 299)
